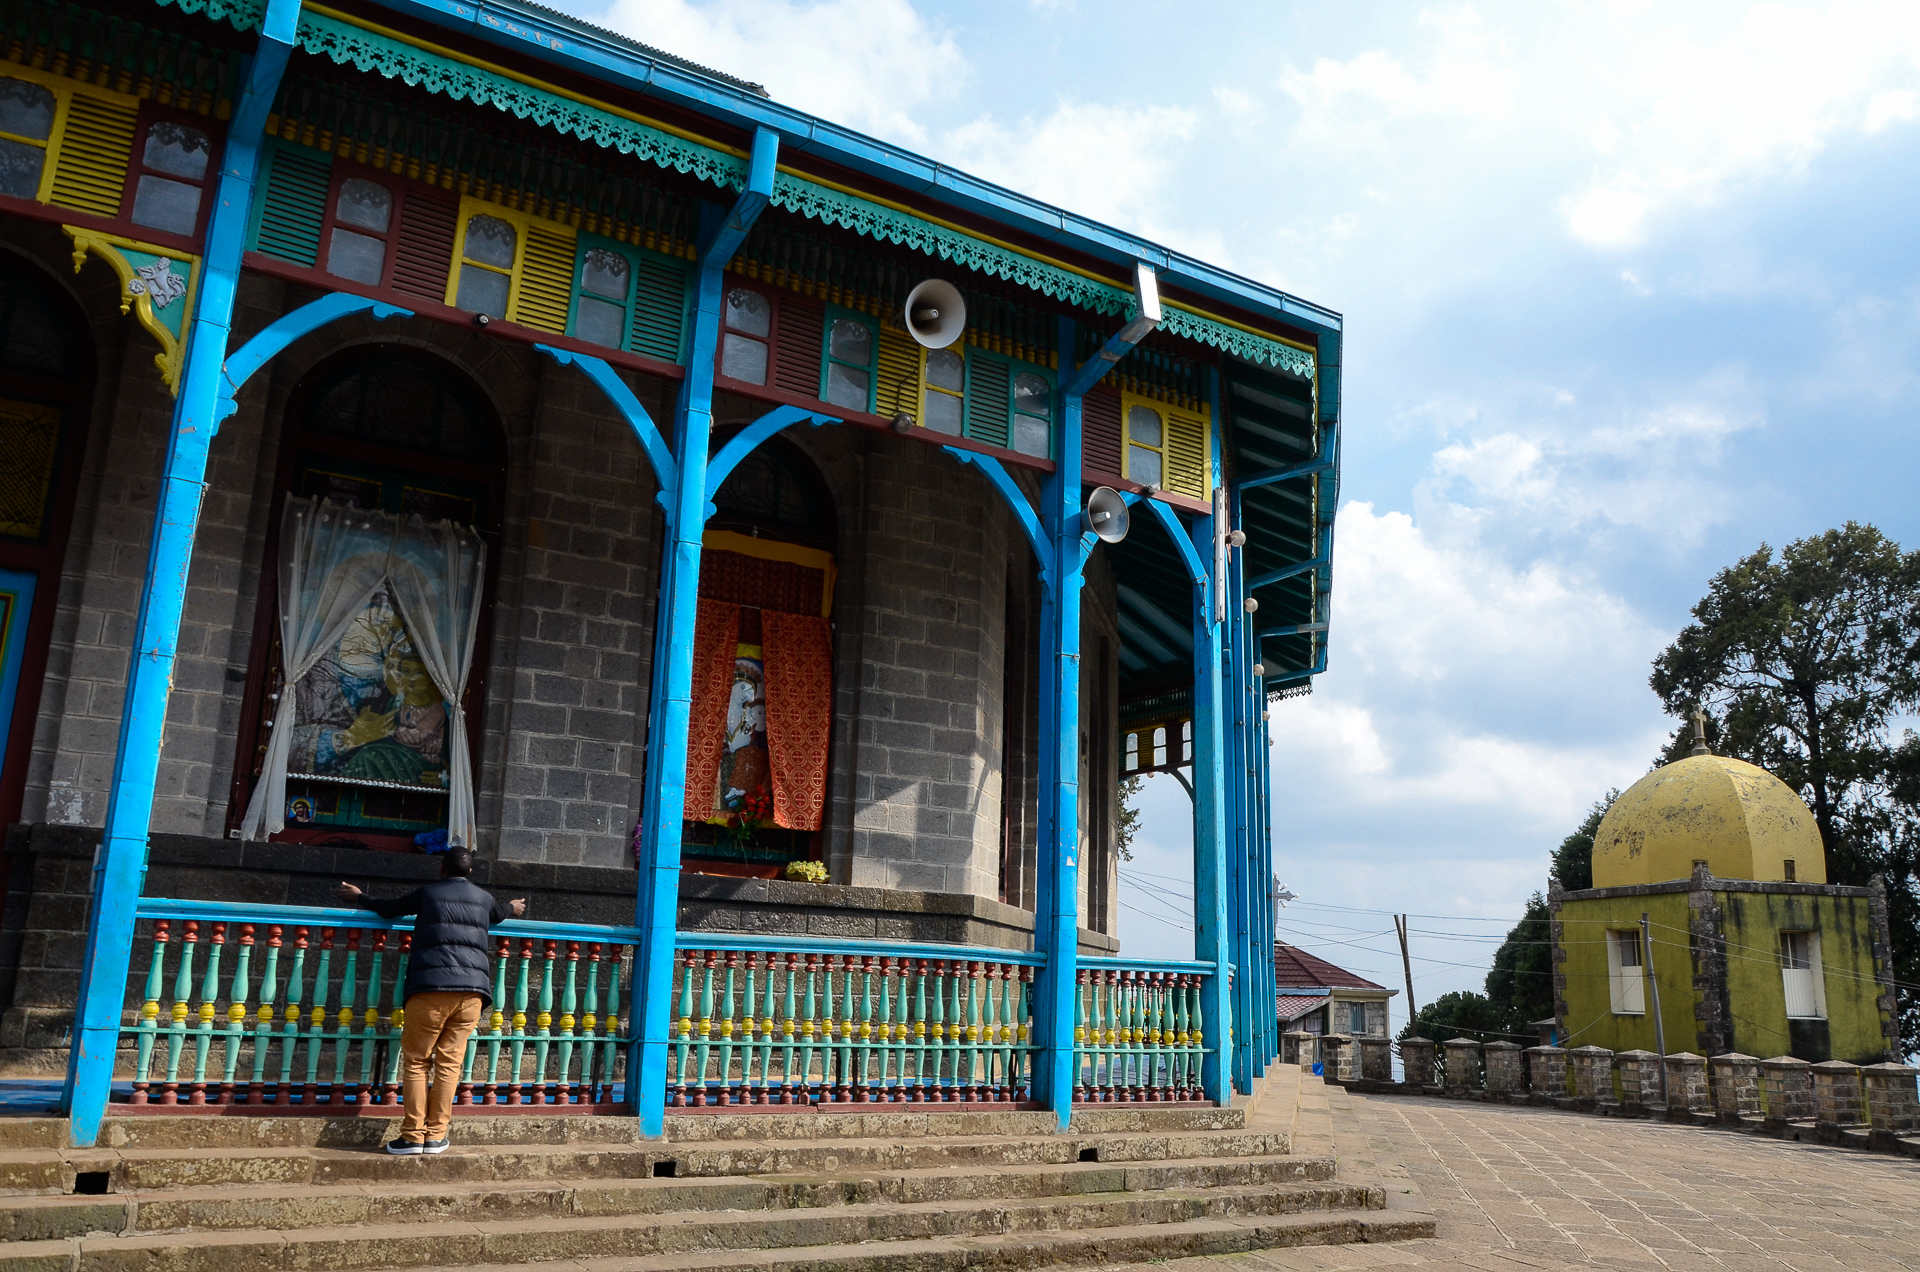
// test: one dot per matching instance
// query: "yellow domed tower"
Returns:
(1710, 910)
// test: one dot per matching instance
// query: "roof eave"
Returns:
(551, 38)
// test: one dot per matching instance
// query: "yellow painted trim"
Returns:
(63, 90)
(775, 550)
(173, 351)
(521, 222)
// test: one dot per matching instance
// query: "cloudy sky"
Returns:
(1630, 288)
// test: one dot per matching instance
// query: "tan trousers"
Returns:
(434, 1038)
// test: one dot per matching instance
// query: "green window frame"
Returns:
(845, 379)
(1009, 403)
(645, 312)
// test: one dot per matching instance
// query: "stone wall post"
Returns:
(1463, 1066)
(1836, 1094)
(1376, 1059)
(1787, 1082)
(1736, 1086)
(1893, 1101)
(1592, 1074)
(1547, 1071)
(1296, 1047)
(1333, 1056)
(1639, 1078)
(1416, 1061)
(1686, 1083)
(1504, 1078)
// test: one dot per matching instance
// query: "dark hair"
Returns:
(456, 863)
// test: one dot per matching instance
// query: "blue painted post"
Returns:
(1213, 935)
(1057, 897)
(664, 800)
(1242, 879)
(120, 866)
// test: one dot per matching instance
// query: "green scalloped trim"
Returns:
(392, 59)
(246, 15)
(389, 58)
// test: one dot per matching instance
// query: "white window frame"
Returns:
(1804, 987)
(1626, 977)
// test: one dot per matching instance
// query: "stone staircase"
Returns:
(852, 1192)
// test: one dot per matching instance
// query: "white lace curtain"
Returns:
(332, 559)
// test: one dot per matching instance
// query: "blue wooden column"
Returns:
(1212, 900)
(120, 865)
(657, 903)
(1249, 893)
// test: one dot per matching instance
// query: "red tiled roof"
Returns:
(1293, 967)
(1292, 1008)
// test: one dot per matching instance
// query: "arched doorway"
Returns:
(763, 680)
(46, 358)
(379, 570)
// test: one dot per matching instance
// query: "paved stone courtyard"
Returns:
(1516, 1188)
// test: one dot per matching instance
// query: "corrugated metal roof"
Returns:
(1292, 967)
(1291, 1009)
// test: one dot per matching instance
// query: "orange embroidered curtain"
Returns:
(716, 633)
(798, 651)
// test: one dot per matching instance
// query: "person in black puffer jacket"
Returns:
(448, 987)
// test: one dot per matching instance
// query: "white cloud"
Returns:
(1470, 74)
(865, 64)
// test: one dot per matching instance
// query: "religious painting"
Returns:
(368, 712)
(744, 785)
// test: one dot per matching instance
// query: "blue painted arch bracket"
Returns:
(1189, 556)
(743, 443)
(1002, 480)
(272, 339)
(665, 470)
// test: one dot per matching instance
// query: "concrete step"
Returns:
(305, 1206)
(896, 1121)
(590, 1246)
(150, 1168)
(441, 1242)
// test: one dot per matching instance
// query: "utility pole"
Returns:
(1653, 985)
(1406, 965)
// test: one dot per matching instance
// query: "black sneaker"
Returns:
(410, 1148)
(432, 1146)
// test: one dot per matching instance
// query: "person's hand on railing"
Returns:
(517, 906)
(348, 893)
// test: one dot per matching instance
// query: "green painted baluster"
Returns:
(589, 1022)
(370, 1021)
(1105, 1033)
(343, 1020)
(883, 1034)
(497, 1021)
(767, 1026)
(543, 1023)
(177, 1031)
(568, 1090)
(788, 1023)
(1199, 1046)
(290, 1029)
(938, 1029)
(149, 1012)
(704, 1049)
(921, 1053)
(1023, 1000)
(728, 1016)
(863, 1090)
(612, 1047)
(1084, 1026)
(203, 1031)
(1189, 1035)
(683, 1094)
(263, 1028)
(236, 1014)
(974, 1054)
(397, 1022)
(1009, 1035)
(998, 1088)
(516, 1093)
(843, 1089)
(317, 1019)
(903, 1040)
(808, 1023)
(749, 1023)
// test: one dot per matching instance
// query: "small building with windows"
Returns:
(1745, 947)
(1313, 996)
(427, 425)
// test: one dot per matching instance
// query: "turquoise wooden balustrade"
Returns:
(1138, 1032)
(271, 1008)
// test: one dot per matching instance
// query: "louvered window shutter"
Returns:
(294, 205)
(989, 400)
(1186, 454)
(425, 246)
(546, 280)
(1100, 431)
(659, 307)
(90, 173)
(797, 354)
(899, 386)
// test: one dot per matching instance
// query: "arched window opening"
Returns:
(46, 364)
(763, 683)
(370, 648)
